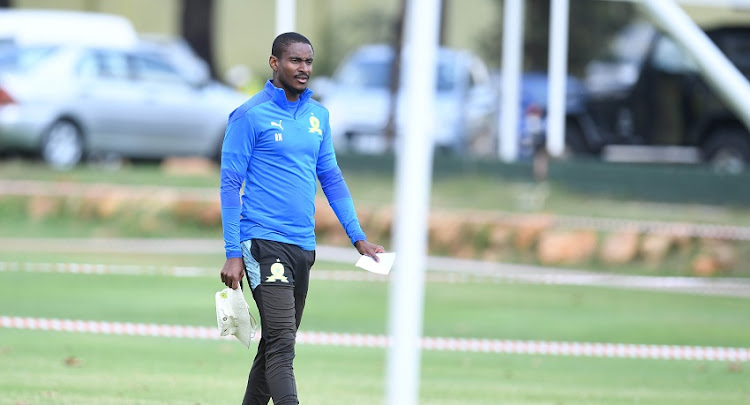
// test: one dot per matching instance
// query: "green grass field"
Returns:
(75, 368)
(469, 310)
(80, 369)
(41, 367)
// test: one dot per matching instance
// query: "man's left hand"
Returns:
(370, 249)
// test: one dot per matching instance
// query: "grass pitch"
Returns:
(81, 369)
(74, 368)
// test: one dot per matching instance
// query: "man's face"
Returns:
(293, 70)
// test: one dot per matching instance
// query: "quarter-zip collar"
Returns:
(279, 97)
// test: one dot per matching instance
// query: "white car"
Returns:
(178, 52)
(78, 84)
(358, 99)
(69, 101)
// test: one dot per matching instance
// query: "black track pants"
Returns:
(280, 299)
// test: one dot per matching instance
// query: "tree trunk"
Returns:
(390, 127)
(4, 3)
(443, 40)
(197, 29)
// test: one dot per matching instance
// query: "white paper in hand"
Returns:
(382, 267)
(233, 315)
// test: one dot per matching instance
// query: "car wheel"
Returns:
(728, 150)
(62, 147)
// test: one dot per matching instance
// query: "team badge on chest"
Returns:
(315, 126)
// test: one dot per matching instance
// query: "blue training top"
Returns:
(278, 148)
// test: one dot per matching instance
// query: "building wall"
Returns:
(147, 15)
(707, 16)
(245, 28)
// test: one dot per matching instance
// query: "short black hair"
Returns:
(282, 42)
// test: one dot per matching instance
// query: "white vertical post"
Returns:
(413, 180)
(558, 72)
(511, 79)
(286, 16)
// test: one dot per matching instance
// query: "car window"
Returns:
(446, 76)
(115, 64)
(104, 64)
(377, 74)
(670, 58)
(151, 69)
(88, 66)
(366, 73)
(737, 48)
(630, 45)
(13, 57)
(478, 73)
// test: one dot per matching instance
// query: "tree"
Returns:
(390, 126)
(197, 29)
(592, 24)
(372, 25)
(4, 3)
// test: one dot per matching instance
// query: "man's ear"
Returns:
(274, 63)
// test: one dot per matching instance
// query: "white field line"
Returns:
(576, 349)
(137, 192)
(724, 286)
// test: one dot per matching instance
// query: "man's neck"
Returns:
(290, 96)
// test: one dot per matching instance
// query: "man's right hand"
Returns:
(232, 272)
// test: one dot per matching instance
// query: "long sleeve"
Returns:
(235, 157)
(336, 191)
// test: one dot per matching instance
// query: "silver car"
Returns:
(359, 100)
(67, 102)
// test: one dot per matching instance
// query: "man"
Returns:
(278, 143)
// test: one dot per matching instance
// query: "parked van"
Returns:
(649, 101)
